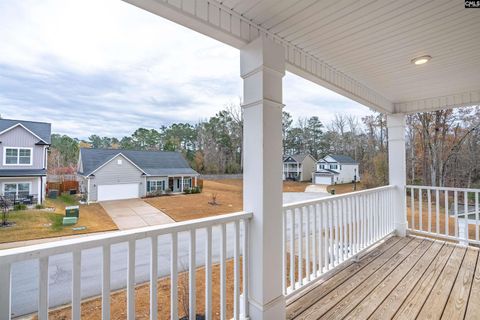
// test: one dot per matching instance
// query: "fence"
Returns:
(192, 228)
(449, 213)
(64, 186)
(318, 235)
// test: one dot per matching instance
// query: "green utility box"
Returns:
(68, 221)
(53, 194)
(72, 211)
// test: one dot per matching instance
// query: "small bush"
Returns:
(68, 199)
(39, 206)
(20, 206)
(57, 222)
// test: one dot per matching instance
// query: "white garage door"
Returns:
(117, 191)
(323, 180)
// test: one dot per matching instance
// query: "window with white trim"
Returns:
(334, 166)
(18, 190)
(187, 183)
(155, 185)
(18, 156)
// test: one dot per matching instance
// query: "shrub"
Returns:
(19, 206)
(39, 206)
(68, 199)
(57, 222)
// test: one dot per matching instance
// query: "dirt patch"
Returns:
(229, 198)
(91, 309)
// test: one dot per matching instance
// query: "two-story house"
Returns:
(23, 159)
(298, 167)
(334, 169)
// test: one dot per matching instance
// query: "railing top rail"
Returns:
(93, 241)
(333, 197)
(441, 188)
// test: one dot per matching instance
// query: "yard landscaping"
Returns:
(228, 197)
(47, 223)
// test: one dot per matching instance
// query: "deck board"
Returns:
(457, 302)
(426, 253)
(473, 307)
(407, 257)
(330, 300)
(436, 301)
(428, 268)
(301, 302)
(404, 278)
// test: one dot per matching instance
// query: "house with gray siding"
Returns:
(114, 174)
(298, 167)
(23, 160)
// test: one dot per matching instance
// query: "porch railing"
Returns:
(44, 252)
(321, 234)
(448, 213)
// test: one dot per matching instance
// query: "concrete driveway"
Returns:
(134, 213)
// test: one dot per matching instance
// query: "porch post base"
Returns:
(401, 229)
(273, 310)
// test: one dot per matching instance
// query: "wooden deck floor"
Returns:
(402, 278)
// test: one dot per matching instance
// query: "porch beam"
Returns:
(262, 69)
(464, 99)
(219, 22)
(397, 169)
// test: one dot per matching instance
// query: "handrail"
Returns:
(442, 188)
(57, 247)
(336, 196)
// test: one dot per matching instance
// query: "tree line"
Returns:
(443, 147)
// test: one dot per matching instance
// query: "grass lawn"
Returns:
(229, 195)
(38, 224)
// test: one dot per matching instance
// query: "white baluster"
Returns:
(153, 277)
(131, 280)
(76, 284)
(106, 282)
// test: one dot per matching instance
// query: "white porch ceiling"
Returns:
(359, 48)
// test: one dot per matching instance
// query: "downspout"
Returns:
(88, 190)
(41, 190)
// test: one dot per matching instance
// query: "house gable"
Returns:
(116, 158)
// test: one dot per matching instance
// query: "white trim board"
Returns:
(18, 157)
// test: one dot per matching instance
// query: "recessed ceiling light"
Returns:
(421, 60)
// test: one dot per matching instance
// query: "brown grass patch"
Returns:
(229, 195)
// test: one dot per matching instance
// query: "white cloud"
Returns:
(107, 67)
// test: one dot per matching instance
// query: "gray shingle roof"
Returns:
(22, 172)
(153, 163)
(343, 159)
(297, 157)
(41, 129)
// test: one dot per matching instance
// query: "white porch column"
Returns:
(397, 168)
(262, 68)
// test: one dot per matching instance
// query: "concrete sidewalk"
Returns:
(134, 213)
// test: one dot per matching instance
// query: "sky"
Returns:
(108, 68)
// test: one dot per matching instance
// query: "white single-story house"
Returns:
(23, 160)
(298, 167)
(114, 174)
(334, 169)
